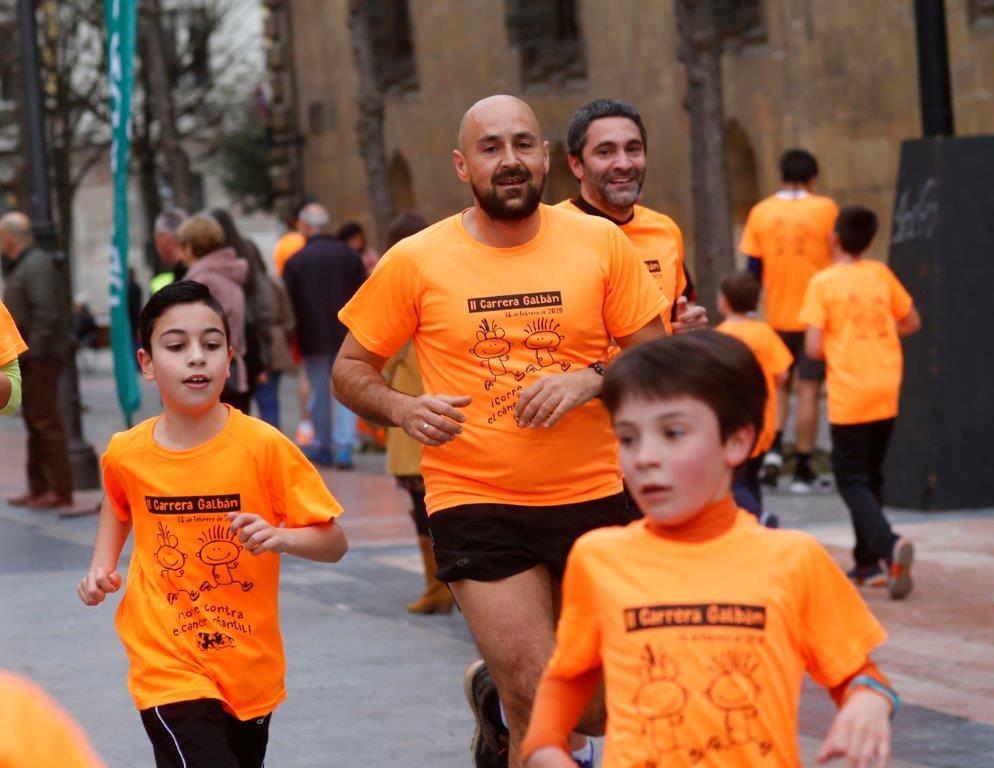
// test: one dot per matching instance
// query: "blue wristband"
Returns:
(865, 681)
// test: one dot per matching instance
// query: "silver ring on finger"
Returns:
(425, 426)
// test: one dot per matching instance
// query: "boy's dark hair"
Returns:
(717, 369)
(798, 166)
(576, 134)
(180, 292)
(856, 227)
(741, 290)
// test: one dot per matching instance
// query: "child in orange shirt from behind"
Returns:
(214, 497)
(855, 311)
(737, 303)
(699, 621)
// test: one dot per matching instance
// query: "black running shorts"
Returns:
(489, 542)
(807, 368)
(200, 734)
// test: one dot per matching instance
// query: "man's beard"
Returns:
(617, 198)
(498, 208)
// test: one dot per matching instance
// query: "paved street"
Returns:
(371, 686)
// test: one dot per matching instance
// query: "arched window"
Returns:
(743, 174)
(547, 34)
(400, 182)
(393, 47)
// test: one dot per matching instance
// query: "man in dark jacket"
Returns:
(320, 279)
(35, 296)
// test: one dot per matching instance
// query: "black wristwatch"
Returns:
(598, 366)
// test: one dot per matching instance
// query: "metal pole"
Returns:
(82, 457)
(934, 86)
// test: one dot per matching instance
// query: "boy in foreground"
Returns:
(215, 497)
(699, 621)
(855, 312)
(737, 303)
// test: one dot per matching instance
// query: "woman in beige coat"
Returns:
(404, 453)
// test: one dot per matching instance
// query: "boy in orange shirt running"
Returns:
(737, 303)
(701, 666)
(214, 497)
(855, 312)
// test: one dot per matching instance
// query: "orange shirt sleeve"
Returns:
(574, 671)
(900, 300)
(37, 732)
(632, 298)
(837, 629)
(813, 308)
(841, 692)
(11, 343)
(299, 495)
(383, 313)
(113, 488)
(750, 243)
(779, 357)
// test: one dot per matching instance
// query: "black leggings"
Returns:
(200, 734)
(858, 452)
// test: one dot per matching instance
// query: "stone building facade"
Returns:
(837, 78)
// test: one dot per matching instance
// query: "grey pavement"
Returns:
(369, 685)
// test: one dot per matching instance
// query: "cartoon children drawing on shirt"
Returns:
(220, 552)
(173, 563)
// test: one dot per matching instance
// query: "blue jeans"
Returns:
(320, 404)
(267, 398)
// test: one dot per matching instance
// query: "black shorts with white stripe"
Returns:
(200, 734)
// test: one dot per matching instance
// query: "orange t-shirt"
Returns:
(199, 616)
(488, 322)
(287, 246)
(773, 357)
(35, 731)
(659, 245)
(11, 343)
(702, 666)
(789, 232)
(855, 306)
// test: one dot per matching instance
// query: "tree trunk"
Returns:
(369, 126)
(700, 52)
(161, 94)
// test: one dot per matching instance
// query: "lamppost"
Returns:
(83, 459)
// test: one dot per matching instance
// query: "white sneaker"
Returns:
(769, 473)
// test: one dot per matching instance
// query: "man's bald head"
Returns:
(502, 157)
(15, 234)
(495, 110)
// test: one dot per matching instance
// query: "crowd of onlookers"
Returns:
(283, 319)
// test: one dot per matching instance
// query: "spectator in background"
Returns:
(257, 312)
(213, 264)
(84, 324)
(167, 247)
(279, 357)
(321, 279)
(404, 452)
(35, 296)
(290, 242)
(354, 236)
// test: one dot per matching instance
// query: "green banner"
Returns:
(121, 18)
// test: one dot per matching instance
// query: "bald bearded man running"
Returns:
(511, 305)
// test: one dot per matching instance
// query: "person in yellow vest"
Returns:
(404, 452)
(167, 248)
(606, 150)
